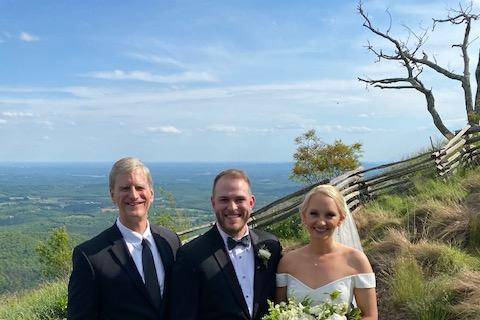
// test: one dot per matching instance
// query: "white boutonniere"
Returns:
(264, 254)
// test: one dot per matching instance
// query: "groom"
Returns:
(228, 272)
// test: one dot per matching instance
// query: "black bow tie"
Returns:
(232, 243)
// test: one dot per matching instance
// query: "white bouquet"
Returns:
(304, 310)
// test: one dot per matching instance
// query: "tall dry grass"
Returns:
(423, 245)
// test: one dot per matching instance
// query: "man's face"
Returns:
(233, 204)
(133, 196)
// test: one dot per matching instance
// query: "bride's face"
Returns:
(322, 216)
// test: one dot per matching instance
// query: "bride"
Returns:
(325, 265)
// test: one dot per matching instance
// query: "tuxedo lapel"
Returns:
(261, 272)
(122, 257)
(166, 256)
(165, 252)
(226, 266)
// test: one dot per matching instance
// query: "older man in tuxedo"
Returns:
(228, 272)
(124, 272)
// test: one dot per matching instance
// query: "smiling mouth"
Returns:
(232, 216)
(134, 204)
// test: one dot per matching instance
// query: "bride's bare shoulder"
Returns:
(290, 259)
(357, 259)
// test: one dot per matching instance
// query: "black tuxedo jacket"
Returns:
(205, 285)
(105, 283)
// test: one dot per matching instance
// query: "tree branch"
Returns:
(412, 64)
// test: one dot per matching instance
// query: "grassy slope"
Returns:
(48, 302)
(424, 246)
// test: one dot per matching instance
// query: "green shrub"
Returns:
(316, 160)
(55, 254)
(168, 215)
(289, 229)
(397, 205)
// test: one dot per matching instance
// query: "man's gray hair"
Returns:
(128, 165)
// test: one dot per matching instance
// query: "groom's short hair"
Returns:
(232, 173)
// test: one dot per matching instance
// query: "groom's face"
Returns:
(232, 202)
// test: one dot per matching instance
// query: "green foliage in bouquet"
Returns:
(305, 310)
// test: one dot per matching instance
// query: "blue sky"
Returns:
(211, 80)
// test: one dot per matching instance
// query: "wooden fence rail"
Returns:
(361, 185)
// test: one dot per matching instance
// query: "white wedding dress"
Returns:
(298, 290)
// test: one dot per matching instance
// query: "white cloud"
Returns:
(28, 37)
(3, 121)
(156, 59)
(164, 129)
(349, 129)
(14, 114)
(221, 128)
(375, 115)
(230, 129)
(188, 76)
(290, 126)
(348, 95)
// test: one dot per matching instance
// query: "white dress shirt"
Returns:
(243, 261)
(133, 241)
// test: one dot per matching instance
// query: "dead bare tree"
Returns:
(414, 59)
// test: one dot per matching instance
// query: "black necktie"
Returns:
(151, 280)
(232, 243)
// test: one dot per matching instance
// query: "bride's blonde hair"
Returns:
(329, 191)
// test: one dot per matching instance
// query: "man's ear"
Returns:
(212, 201)
(153, 195)
(112, 196)
(252, 201)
